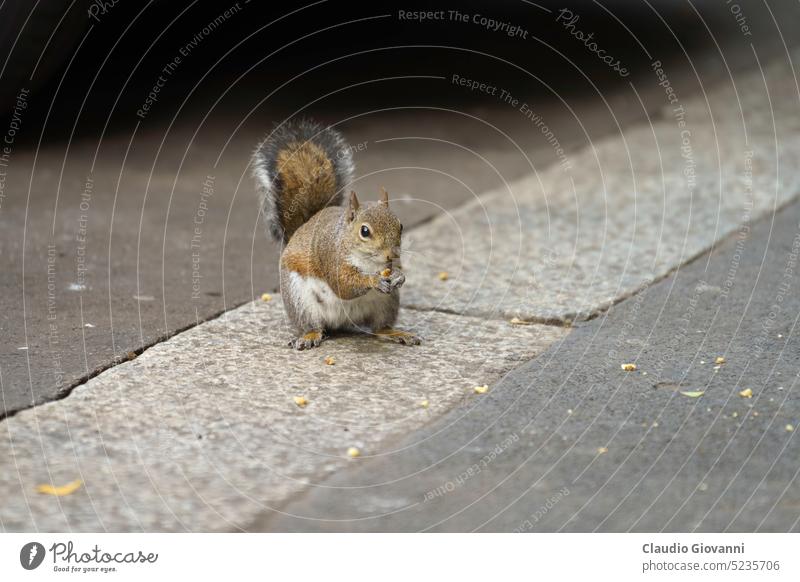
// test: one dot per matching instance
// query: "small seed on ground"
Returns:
(266, 297)
(629, 367)
(444, 275)
(746, 393)
(301, 401)
(693, 393)
(330, 360)
(353, 452)
(481, 389)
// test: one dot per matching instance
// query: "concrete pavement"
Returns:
(571, 442)
(203, 431)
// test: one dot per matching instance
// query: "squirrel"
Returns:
(336, 267)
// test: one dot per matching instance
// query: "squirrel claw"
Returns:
(394, 281)
(307, 341)
(399, 336)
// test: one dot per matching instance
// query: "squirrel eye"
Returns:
(365, 232)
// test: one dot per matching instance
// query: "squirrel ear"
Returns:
(352, 208)
(384, 196)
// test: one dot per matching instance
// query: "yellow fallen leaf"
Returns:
(481, 389)
(719, 360)
(444, 276)
(693, 393)
(746, 393)
(61, 491)
(266, 297)
(353, 452)
(330, 360)
(301, 401)
(628, 367)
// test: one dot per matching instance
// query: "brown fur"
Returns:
(322, 246)
(308, 180)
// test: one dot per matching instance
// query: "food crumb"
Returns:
(693, 393)
(330, 360)
(61, 491)
(735, 415)
(629, 367)
(353, 452)
(702, 487)
(266, 297)
(424, 403)
(789, 428)
(746, 393)
(386, 272)
(602, 450)
(301, 401)
(481, 389)
(444, 275)
(720, 360)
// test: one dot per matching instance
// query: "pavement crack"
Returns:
(116, 361)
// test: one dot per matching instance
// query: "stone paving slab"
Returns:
(567, 243)
(571, 442)
(201, 432)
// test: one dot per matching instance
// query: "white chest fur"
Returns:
(317, 304)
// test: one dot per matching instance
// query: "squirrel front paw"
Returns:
(307, 341)
(393, 281)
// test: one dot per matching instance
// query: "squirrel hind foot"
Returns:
(398, 336)
(309, 340)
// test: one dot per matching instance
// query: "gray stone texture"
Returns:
(201, 432)
(561, 245)
(571, 442)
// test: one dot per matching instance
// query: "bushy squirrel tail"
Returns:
(300, 168)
